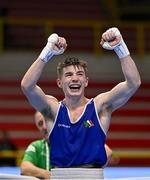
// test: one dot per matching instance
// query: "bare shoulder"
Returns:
(52, 101)
(103, 109)
(101, 101)
(51, 98)
(52, 107)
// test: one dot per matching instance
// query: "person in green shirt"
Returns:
(36, 160)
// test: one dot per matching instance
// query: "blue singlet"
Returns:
(80, 143)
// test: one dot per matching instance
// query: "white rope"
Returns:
(76, 173)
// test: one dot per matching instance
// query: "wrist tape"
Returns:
(121, 50)
(46, 54)
(48, 51)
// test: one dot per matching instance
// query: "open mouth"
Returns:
(75, 87)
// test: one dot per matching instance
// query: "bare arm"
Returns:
(120, 94)
(29, 85)
(110, 101)
(111, 159)
(29, 169)
(30, 88)
(108, 153)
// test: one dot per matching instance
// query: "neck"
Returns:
(75, 102)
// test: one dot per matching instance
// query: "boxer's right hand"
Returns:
(55, 45)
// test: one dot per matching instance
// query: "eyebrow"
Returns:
(80, 71)
(69, 72)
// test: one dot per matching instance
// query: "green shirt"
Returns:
(38, 153)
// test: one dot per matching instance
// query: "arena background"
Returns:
(24, 28)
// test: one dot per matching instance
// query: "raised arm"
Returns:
(119, 95)
(55, 46)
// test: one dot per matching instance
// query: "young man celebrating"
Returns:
(80, 124)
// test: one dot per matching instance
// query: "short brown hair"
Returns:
(69, 61)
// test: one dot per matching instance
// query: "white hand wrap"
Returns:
(48, 52)
(120, 48)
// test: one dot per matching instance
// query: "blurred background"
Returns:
(24, 29)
